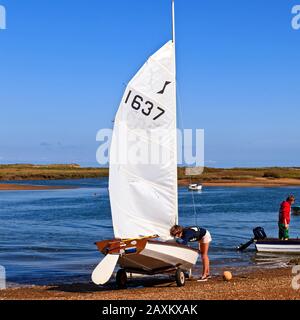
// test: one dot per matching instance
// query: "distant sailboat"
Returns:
(144, 197)
(195, 187)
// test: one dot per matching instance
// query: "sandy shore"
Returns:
(20, 187)
(263, 285)
(256, 182)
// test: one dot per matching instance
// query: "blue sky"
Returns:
(63, 66)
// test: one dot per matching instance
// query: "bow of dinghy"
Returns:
(113, 249)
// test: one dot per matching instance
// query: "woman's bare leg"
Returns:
(205, 260)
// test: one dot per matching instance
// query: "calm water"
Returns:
(48, 236)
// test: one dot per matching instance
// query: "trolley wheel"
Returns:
(121, 279)
(180, 278)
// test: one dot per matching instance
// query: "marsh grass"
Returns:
(73, 171)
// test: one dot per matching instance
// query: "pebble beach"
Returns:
(272, 284)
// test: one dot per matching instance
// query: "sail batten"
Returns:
(143, 192)
(156, 185)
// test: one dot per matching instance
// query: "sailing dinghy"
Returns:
(143, 197)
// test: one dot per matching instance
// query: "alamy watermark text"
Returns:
(2, 278)
(296, 278)
(2, 17)
(296, 17)
(152, 147)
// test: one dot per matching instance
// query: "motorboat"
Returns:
(264, 244)
(279, 246)
(195, 187)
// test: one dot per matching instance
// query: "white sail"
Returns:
(142, 187)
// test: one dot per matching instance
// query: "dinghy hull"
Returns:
(160, 257)
(150, 256)
(279, 246)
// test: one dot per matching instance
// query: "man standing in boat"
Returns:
(285, 217)
(193, 234)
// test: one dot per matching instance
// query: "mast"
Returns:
(173, 22)
(174, 46)
(174, 39)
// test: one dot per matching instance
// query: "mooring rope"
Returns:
(190, 177)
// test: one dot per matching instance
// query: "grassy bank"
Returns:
(274, 175)
(243, 174)
(49, 172)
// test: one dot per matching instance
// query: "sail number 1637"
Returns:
(147, 108)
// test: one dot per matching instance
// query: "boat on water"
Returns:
(195, 187)
(144, 197)
(279, 246)
(296, 210)
(265, 244)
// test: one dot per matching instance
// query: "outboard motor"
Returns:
(259, 234)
